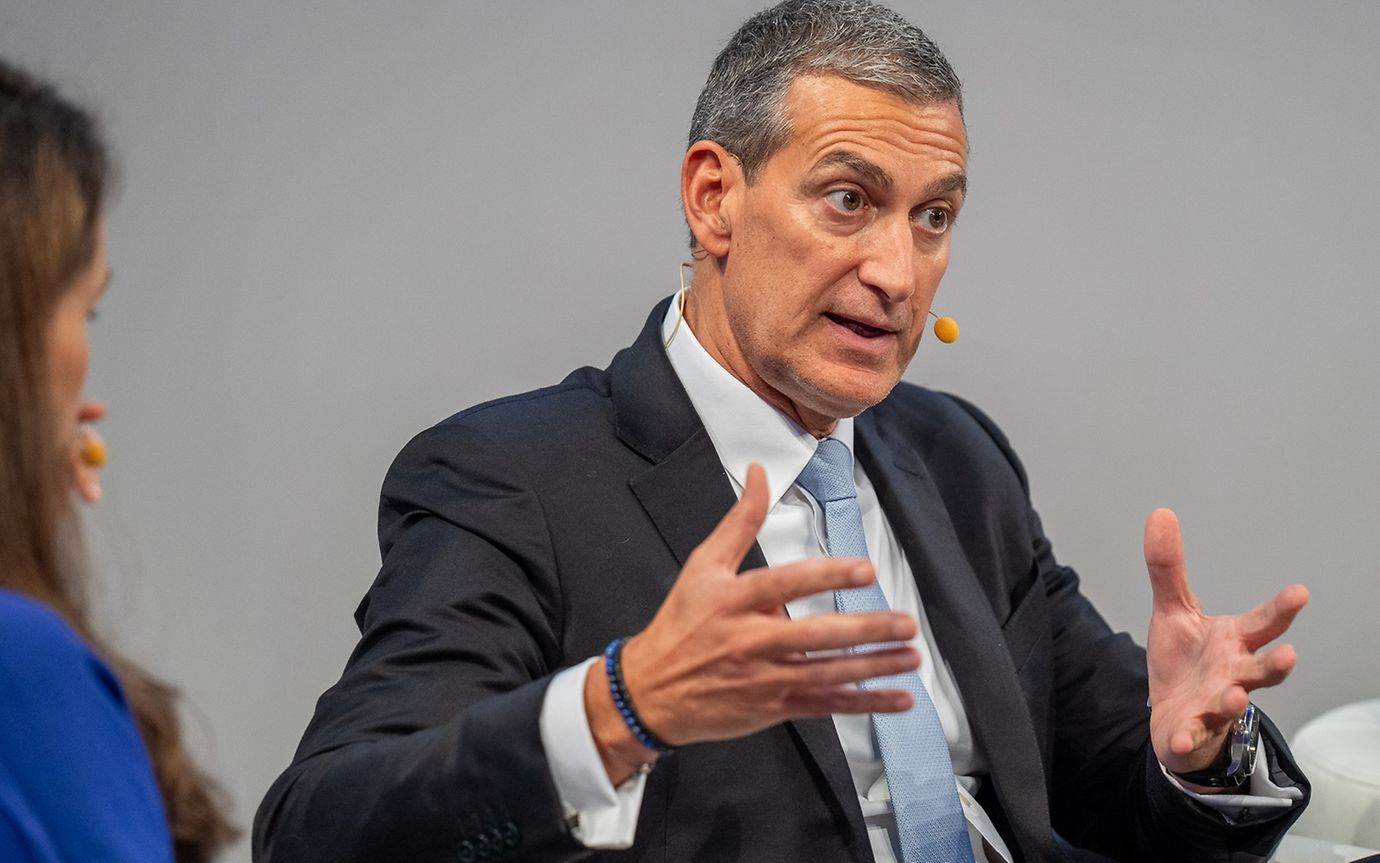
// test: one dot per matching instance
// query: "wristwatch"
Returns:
(1238, 758)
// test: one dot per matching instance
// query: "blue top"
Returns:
(75, 778)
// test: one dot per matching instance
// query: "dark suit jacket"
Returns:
(521, 536)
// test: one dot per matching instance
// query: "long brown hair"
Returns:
(53, 176)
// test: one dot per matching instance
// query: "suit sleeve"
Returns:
(429, 746)
(1107, 792)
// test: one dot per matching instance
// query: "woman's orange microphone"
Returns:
(93, 451)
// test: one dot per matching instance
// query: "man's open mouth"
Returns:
(862, 329)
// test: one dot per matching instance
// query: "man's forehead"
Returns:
(819, 108)
(883, 139)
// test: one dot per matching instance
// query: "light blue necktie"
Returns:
(929, 819)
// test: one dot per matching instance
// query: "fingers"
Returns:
(1266, 669)
(772, 587)
(1207, 729)
(1232, 703)
(852, 667)
(730, 540)
(838, 631)
(827, 700)
(1164, 559)
(1185, 740)
(1272, 618)
(1219, 710)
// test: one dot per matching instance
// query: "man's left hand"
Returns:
(1203, 667)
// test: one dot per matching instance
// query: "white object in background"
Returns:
(1301, 849)
(1339, 752)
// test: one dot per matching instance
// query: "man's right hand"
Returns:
(721, 659)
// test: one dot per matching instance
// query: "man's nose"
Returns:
(888, 264)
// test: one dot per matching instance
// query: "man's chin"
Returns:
(840, 401)
(821, 393)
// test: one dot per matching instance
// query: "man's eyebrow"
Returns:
(879, 177)
(951, 183)
(859, 165)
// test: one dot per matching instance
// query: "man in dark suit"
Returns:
(669, 498)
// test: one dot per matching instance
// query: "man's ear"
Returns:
(710, 179)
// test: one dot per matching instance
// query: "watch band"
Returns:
(1238, 757)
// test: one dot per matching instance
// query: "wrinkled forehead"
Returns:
(835, 121)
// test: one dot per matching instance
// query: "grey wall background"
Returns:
(342, 222)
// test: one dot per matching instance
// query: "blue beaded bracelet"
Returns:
(613, 667)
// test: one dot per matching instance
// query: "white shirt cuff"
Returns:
(1263, 794)
(599, 815)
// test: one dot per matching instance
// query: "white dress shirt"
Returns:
(745, 430)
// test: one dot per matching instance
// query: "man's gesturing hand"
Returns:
(721, 659)
(1202, 667)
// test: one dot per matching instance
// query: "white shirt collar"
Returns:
(743, 427)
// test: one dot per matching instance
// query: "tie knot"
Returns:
(829, 475)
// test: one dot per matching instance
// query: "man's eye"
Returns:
(934, 219)
(846, 200)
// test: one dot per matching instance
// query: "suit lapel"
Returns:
(686, 494)
(685, 491)
(964, 626)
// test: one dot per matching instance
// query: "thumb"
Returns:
(1164, 560)
(734, 535)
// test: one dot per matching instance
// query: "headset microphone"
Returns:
(945, 329)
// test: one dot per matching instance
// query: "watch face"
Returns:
(1245, 739)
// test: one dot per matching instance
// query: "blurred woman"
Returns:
(91, 760)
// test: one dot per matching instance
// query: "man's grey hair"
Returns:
(742, 105)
